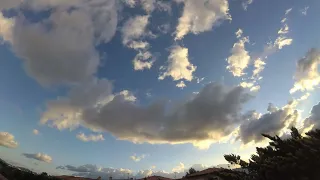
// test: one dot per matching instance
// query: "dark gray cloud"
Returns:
(66, 39)
(93, 171)
(209, 115)
(8, 4)
(271, 123)
(314, 117)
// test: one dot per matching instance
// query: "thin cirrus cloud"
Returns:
(91, 137)
(39, 156)
(8, 140)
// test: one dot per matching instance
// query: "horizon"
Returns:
(153, 87)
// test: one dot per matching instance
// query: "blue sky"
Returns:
(74, 93)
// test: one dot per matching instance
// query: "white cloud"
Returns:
(255, 88)
(136, 45)
(307, 76)
(6, 25)
(284, 30)
(35, 132)
(258, 67)
(91, 137)
(240, 58)
(304, 11)
(7, 140)
(134, 28)
(39, 156)
(179, 66)
(288, 11)
(149, 5)
(282, 41)
(143, 60)
(200, 16)
(137, 158)
(246, 3)
(179, 168)
(128, 96)
(181, 85)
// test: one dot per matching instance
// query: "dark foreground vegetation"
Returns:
(295, 158)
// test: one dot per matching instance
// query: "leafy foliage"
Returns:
(296, 158)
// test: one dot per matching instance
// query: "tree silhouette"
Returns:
(191, 171)
(296, 158)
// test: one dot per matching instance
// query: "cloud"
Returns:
(307, 76)
(7, 140)
(314, 118)
(67, 112)
(39, 156)
(178, 168)
(6, 25)
(206, 117)
(134, 28)
(91, 137)
(246, 3)
(259, 66)
(272, 123)
(288, 11)
(35, 132)
(149, 5)
(69, 40)
(93, 171)
(179, 66)
(137, 158)
(240, 58)
(304, 11)
(181, 85)
(200, 16)
(143, 60)
(8, 4)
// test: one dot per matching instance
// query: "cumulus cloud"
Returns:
(181, 85)
(7, 140)
(314, 118)
(200, 16)
(143, 60)
(240, 58)
(207, 116)
(178, 168)
(273, 122)
(134, 28)
(93, 171)
(8, 4)
(69, 41)
(6, 26)
(179, 66)
(39, 156)
(91, 137)
(137, 158)
(35, 132)
(149, 5)
(307, 76)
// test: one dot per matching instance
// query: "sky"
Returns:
(153, 87)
